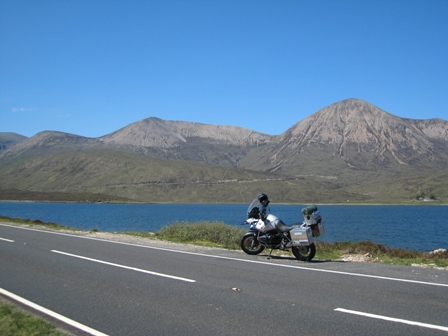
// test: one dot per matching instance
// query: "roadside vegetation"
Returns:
(218, 234)
(213, 234)
(380, 253)
(15, 322)
(38, 222)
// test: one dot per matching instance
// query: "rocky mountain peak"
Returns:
(349, 120)
(363, 136)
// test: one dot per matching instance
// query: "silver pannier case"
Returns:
(301, 236)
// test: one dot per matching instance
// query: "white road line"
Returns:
(51, 313)
(242, 260)
(392, 319)
(125, 267)
(7, 240)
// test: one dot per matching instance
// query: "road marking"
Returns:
(392, 319)
(124, 266)
(7, 240)
(238, 259)
(51, 313)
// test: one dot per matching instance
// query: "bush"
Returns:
(206, 232)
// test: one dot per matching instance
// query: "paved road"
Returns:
(123, 289)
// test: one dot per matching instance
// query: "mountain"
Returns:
(355, 135)
(9, 139)
(157, 138)
(47, 142)
(188, 141)
(158, 133)
(350, 150)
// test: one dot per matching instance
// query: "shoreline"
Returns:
(432, 203)
(190, 247)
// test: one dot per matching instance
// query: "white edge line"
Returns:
(51, 313)
(7, 240)
(392, 319)
(124, 266)
(238, 259)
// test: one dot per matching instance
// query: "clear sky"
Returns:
(90, 67)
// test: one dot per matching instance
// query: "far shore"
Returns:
(419, 203)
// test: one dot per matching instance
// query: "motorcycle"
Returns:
(268, 231)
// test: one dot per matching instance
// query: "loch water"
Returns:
(420, 227)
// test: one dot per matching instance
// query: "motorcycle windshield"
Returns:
(255, 203)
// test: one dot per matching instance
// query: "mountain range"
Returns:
(348, 151)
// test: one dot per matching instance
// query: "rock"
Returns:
(440, 250)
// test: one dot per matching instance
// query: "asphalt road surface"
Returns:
(107, 288)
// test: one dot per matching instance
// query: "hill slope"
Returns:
(9, 139)
(96, 172)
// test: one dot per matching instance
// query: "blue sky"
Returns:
(90, 67)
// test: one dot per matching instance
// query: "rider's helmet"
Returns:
(263, 199)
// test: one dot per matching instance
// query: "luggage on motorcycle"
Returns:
(301, 236)
(318, 228)
(313, 219)
(311, 214)
(309, 210)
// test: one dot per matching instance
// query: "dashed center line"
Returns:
(124, 266)
(392, 319)
(7, 240)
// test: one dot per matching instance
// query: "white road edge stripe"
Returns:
(51, 313)
(392, 319)
(124, 266)
(7, 240)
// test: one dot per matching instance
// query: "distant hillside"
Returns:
(141, 178)
(347, 151)
(8, 139)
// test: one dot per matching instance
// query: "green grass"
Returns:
(85, 176)
(15, 322)
(203, 233)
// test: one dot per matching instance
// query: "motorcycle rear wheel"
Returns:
(304, 253)
(250, 245)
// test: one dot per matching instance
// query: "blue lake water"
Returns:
(423, 228)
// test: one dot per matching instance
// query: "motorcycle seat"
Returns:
(282, 227)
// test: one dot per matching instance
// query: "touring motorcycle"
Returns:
(268, 231)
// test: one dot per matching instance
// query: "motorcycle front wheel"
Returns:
(304, 253)
(250, 245)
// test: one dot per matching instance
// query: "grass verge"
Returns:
(381, 253)
(15, 322)
(38, 222)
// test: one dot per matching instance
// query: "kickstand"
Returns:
(269, 256)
